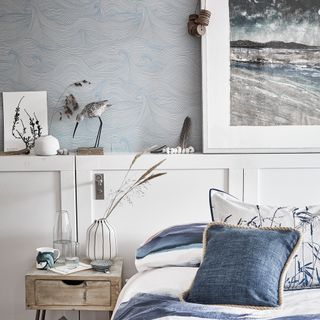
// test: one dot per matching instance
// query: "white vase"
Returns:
(46, 146)
(101, 241)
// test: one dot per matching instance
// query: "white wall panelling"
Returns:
(282, 179)
(236, 182)
(32, 189)
(298, 186)
(181, 196)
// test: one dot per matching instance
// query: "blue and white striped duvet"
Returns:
(150, 306)
(175, 246)
(167, 264)
(154, 294)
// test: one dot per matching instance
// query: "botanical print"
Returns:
(275, 62)
(305, 268)
(25, 119)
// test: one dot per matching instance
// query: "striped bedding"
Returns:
(167, 263)
(174, 246)
(154, 294)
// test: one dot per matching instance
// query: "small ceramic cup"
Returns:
(46, 257)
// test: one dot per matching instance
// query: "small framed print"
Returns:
(25, 118)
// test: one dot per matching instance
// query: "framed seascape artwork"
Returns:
(261, 76)
(25, 118)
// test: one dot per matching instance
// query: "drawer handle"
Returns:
(73, 282)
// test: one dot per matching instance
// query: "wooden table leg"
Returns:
(43, 316)
(37, 315)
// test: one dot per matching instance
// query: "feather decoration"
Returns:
(185, 133)
(70, 105)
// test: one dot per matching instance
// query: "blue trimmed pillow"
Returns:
(174, 246)
(305, 272)
(243, 266)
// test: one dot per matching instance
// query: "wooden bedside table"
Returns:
(85, 290)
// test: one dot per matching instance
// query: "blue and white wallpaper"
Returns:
(136, 53)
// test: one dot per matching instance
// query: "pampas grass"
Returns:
(126, 188)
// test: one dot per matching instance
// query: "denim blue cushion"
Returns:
(243, 266)
(305, 272)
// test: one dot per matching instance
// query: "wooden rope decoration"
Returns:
(198, 23)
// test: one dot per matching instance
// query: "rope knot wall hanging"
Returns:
(198, 22)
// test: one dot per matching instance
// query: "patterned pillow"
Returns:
(305, 269)
(243, 266)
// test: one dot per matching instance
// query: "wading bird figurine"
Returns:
(93, 110)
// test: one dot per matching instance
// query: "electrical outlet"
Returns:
(99, 185)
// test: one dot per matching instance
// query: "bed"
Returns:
(154, 294)
(173, 260)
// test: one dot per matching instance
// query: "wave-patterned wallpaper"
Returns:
(136, 53)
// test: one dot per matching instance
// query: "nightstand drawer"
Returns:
(72, 292)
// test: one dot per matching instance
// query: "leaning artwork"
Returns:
(25, 119)
(275, 62)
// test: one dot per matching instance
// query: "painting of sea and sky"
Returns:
(275, 62)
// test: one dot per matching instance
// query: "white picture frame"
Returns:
(218, 135)
(34, 102)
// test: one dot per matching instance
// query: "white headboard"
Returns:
(181, 196)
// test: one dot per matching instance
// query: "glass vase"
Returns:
(62, 234)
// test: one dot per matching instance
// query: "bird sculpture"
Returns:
(93, 110)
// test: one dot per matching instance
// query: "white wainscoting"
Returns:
(181, 196)
(282, 179)
(32, 189)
